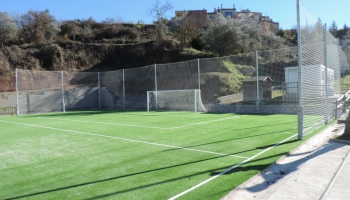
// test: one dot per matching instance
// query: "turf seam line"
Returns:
(125, 139)
(229, 169)
(154, 127)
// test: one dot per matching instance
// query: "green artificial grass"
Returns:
(136, 155)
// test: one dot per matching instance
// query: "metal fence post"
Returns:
(326, 70)
(63, 103)
(17, 102)
(199, 76)
(123, 90)
(99, 90)
(155, 85)
(300, 107)
(257, 82)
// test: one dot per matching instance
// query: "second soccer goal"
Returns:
(175, 100)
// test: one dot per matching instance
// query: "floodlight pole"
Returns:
(257, 82)
(17, 105)
(326, 69)
(300, 107)
(63, 103)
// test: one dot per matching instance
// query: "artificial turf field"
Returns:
(137, 155)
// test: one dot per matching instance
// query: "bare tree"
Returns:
(158, 10)
(8, 28)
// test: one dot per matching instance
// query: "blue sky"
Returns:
(282, 11)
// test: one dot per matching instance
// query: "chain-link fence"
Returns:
(257, 82)
(318, 72)
(303, 80)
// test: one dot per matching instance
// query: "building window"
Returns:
(228, 14)
(198, 13)
(198, 21)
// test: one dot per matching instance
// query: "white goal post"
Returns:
(175, 100)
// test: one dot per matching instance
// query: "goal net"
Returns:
(175, 100)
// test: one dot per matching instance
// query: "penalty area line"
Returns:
(229, 169)
(114, 124)
(124, 139)
(151, 127)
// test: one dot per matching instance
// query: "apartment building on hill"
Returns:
(200, 17)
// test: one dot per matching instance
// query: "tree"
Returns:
(71, 28)
(8, 28)
(87, 32)
(333, 29)
(187, 31)
(38, 27)
(158, 10)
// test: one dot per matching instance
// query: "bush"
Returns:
(52, 55)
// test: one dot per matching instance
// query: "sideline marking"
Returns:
(229, 169)
(125, 139)
(153, 127)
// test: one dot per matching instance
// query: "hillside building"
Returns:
(199, 18)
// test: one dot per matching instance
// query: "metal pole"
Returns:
(99, 90)
(155, 85)
(300, 107)
(63, 103)
(326, 69)
(123, 90)
(147, 101)
(199, 76)
(257, 82)
(195, 101)
(17, 105)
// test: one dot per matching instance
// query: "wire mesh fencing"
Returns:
(319, 71)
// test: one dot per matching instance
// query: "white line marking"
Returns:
(153, 127)
(227, 170)
(207, 122)
(125, 139)
(84, 121)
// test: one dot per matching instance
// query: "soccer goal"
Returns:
(175, 100)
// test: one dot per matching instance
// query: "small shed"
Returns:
(317, 79)
(265, 89)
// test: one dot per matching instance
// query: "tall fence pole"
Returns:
(326, 70)
(123, 89)
(155, 85)
(300, 107)
(63, 103)
(99, 90)
(257, 82)
(17, 105)
(199, 76)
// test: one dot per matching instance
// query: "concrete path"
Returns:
(317, 169)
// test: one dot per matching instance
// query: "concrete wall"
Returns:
(49, 101)
(250, 109)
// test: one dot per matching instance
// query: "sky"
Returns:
(282, 11)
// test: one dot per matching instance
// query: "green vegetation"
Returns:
(136, 155)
